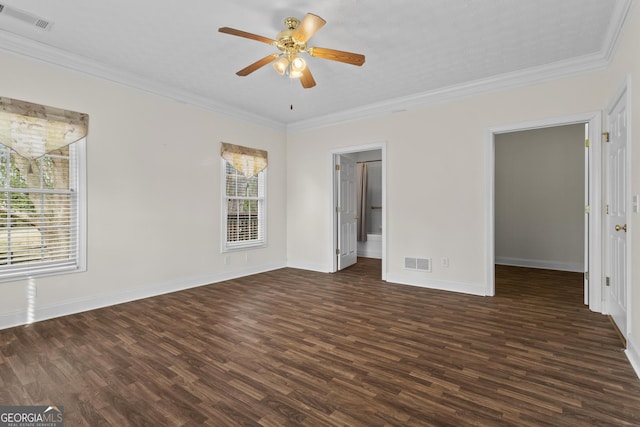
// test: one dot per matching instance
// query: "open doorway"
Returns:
(359, 205)
(540, 199)
(586, 245)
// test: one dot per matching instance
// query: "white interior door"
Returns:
(616, 214)
(346, 211)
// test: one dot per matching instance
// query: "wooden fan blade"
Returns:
(308, 27)
(258, 64)
(307, 79)
(246, 35)
(337, 55)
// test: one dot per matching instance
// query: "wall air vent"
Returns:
(421, 264)
(26, 17)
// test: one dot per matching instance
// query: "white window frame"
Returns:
(77, 170)
(262, 214)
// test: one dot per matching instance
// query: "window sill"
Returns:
(243, 247)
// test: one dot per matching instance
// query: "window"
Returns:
(243, 204)
(42, 207)
(39, 210)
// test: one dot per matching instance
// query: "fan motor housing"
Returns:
(287, 44)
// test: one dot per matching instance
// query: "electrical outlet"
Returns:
(445, 262)
(227, 260)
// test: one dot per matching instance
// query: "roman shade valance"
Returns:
(33, 130)
(248, 161)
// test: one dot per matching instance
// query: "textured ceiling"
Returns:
(413, 48)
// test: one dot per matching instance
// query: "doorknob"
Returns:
(621, 227)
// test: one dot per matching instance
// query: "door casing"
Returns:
(382, 146)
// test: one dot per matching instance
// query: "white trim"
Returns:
(618, 19)
(320, 268)
(633, 354)
(81, 154)
(382, 146)
(576, 267)
(417, 279)
(490, 225)
(36, 314)
(595, 190)
(629, 199)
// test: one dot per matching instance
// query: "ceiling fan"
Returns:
(291, 43)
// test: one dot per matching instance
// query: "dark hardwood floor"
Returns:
(293, 347)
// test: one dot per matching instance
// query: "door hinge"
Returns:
(587, 209)
(587, 143)
(607, 281)
(337, 167)
(338, 209)
(337, 251)
(586, 276)
(605, 136)
(606, 209)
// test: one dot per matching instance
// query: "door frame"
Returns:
(594, 237)
(382, 146)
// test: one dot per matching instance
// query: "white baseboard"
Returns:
(24, 317)
(443, 285)
(576, 267)
(311, 267)
(633, 354)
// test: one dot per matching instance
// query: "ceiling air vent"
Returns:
(26, 17)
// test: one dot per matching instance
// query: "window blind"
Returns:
(38, 213)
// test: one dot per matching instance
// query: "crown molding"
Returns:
(19, 46)
(527, 77)
(615, 28)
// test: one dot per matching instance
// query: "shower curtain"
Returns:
(361, 194)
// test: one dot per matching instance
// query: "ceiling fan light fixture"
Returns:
(297, 67)
(281, 65)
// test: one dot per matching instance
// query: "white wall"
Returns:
(539, 198)
(153, 194)
(437, 179)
